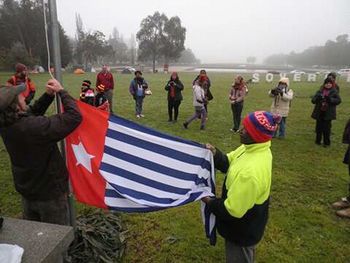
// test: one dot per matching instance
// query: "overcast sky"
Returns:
(221, 30)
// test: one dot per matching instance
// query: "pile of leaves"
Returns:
(100, 237)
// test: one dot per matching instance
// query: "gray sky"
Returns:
(222, 30)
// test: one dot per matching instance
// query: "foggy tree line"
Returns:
(333, 53)
(23, 36)
(23, 39)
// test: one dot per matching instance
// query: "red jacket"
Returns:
(13, 81)
(106, 79)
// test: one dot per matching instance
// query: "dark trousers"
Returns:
(51, 211)
(237, 113)
(173, 105)
(323, 129)
(237, 254)
(109, 96)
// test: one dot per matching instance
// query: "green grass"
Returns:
(306, 178)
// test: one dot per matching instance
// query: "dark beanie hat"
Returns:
(86, 83)
(332, 74)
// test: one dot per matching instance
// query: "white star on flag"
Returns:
(82, 156)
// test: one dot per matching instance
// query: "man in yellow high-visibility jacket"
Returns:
(242, 211)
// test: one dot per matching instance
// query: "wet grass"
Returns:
(306, 178)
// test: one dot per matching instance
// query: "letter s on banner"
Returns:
(256, 78)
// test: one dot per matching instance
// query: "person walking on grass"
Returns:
(282, 96)
(174, 88)
(343, 205)
(326, 99)
(236, 97)
(199, 101)
(242, 211)
(206, 84)
(39, 171)
(137, 90)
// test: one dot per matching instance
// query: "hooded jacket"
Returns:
(38, 168)
(325, 106)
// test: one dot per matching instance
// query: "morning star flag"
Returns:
(120, 165)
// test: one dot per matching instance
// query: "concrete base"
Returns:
(41, 242)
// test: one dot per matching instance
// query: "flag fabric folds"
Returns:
(120, 165)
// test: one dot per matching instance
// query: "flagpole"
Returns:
(58, 75)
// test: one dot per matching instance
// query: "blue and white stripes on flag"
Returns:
(147, 170)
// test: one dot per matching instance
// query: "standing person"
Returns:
(206, 86)
(242, 211)
(343, 205)
(282, 96)
(326, 99)
(106, 78)
(87, 94)
(137, 89)
(236, 97)
(101, 101)
(333, 77)
(174, 88)
(21, 76)
(199, 101)
(39, 171)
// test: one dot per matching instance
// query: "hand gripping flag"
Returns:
(120, 165)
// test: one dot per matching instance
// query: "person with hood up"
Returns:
(282, 96)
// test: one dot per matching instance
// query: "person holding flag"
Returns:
(39, 171)
(242, 211)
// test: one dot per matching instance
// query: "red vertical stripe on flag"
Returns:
(84, 148)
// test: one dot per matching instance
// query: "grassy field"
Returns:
(306, 178)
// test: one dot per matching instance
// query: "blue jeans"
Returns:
(138, 104)
(281, 128)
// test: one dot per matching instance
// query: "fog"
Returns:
(222, 31)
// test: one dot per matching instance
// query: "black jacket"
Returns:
(325, 107)
(38, 168)
(178, 88)
(245, 231)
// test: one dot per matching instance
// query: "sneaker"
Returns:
(343, 213)
(141, 115)
(185, 125)
(341, 204)
(170, 120)
(202, 128)
(138, 116)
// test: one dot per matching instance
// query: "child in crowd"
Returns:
(101, 101)
(87, 94)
